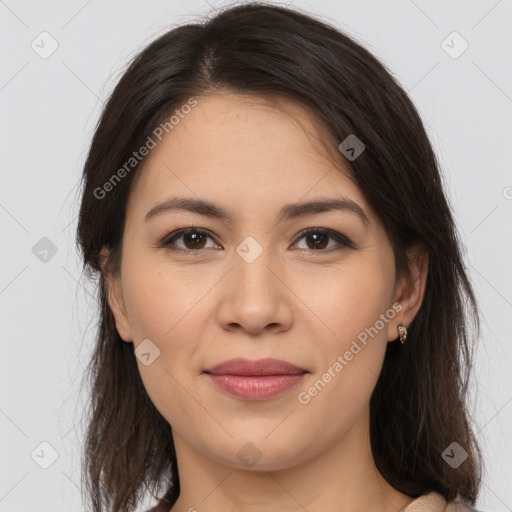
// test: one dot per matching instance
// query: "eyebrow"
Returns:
(287, 212)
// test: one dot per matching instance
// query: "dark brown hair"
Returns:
(418, 407)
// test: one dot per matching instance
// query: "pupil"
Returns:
(316, 238)
(195, 238)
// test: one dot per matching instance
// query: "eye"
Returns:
(193, 239)
(316, 239)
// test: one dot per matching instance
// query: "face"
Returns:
(255, 285)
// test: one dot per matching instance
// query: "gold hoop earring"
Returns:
(402, 332)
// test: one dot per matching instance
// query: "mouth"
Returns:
(255, 380)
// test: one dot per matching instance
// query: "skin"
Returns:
(294, 302)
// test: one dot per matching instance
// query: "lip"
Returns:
(248, 367)
(255, 380)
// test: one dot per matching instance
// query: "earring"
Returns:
(402, 332)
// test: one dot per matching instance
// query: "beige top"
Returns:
(434, 502)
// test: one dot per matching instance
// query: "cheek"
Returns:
(162, 307)
(348, 300)
(158, 298)
(354, 310)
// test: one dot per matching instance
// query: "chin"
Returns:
(256, 452)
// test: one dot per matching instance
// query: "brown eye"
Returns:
(193, 239)
(317, 240)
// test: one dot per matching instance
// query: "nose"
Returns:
(254, 296)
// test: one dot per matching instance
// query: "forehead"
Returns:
(245, 152)
(227, 125)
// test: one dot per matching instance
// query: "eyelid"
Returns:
(167, 239)
(341, 239)
(335, 235)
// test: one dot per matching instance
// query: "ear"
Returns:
(410, 290)
(115, 297)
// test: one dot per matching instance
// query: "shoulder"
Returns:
(459, 507)
(435, 502)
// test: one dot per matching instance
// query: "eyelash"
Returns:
(338, 237)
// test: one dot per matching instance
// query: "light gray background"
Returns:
(49, 108)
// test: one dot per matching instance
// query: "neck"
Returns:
(342, 477)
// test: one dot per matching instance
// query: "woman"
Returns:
(285, 315)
